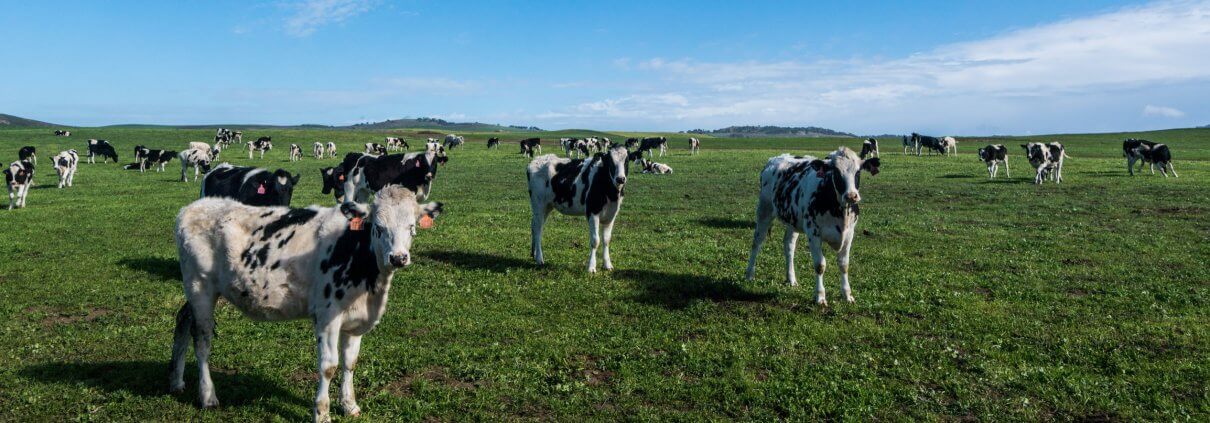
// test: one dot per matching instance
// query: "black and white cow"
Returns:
(631, 142)
(224, 137)
(815, 197)
(376, 149)
(452, 141)
(147, 158)
(65, 165)
(200, 160)
(333, 181)
(396, 143)
(993, 155)
(1047, 159)
(250, 185)
(62, 133)
(909, 144)
(531, 146)
(656, 168)
(318, 150)
(295, 153)
(331, 149)
(18, 178)
(28, 153)
(648, 144)
(593, 188)
(1147, 152)
(869, 148)
(933, 144)
(694, 145)
(333, 266)
(493, 142)
(102, 149)
(262, 145)
(415, 171)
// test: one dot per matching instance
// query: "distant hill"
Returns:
(771, 131)
(433, 123)
(10, 121)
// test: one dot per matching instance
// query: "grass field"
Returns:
(995, 300)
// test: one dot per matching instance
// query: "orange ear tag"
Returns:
(341, 177)
(426, 222)
(355, 224)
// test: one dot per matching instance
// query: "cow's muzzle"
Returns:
(853, 197)
(620, 180)
(400, 260)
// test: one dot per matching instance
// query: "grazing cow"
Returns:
(223, 137)
(396, 143)
(531, 146)
(949, 144)
(933, 144)
(910, 143)
(656, 168)
(631, 142)
(65, 164)
(593, 188)
(648, 144)
(28, 153)
(295, 153)
(869, 148)
(331, 149)
(332, 265)
(694, 145)
(200, 160)
(493, 142)
(195, 145)
(146, 158)
(61, 133)
(366, 175)
(815, 197)
(1046, 159)
(318, 150)
(101, 148)
(261, 144)
(993, 155)
(452, 141)
(1147, 152)
(375, 149)
(18, 177)
(250, 185)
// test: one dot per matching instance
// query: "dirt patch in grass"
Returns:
(433, 374)
(59, 317)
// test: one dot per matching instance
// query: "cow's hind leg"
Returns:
(203, 333)
(180, 347)
(541, 212)
(764, 218)
(350, 347)
(789, 244)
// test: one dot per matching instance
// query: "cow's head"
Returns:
(333, 178)
(844, 168)
(615, 164)
(283, 183)
(392, 222)
(985, 153)
(1036, 152)
(437, 150)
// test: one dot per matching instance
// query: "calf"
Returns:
(146, 158)
(250, 185)
(333, 266)
(331, 149)
(869, 148)
(531, 146)
(18, 177)
(295, 153)
(452, 141)
(815, 197)
(396, 143)
(415, 171)
(200, 160)
(1046, 159)
(993, 155)
(593, 188)
(262, 145)
(694, 145)
(1147, 152)
(493, 142)
(648, 144)
(318, 150)
(950, 145)
(101, 148)
(375, 149)
(65, 165)
(28, 154)
(656, 168)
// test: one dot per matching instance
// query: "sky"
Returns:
(873, 67)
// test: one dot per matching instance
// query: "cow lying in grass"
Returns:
(332, 266)
(592, 188)
(815, 197)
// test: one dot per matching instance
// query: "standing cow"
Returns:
(648, 144)
(332, 266)
(365, 175)
(102, 149)
(493, 142)
(1147, 152)
(593, 188)
(331, 149)
(1047, 159)
(815, 197)
(62, 133)
(250, 185)
(933, 144)
(318, 150)
(531, 146)
(452, 141)
(869, 148)
(200, 160)
(694, 145)
(18, 177)
(376, 149)
(65, 165)
(949, 145)
(993, 156)
(295, 153)
(396, 143)
(262, 145)
(909, 144)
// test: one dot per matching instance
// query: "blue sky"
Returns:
(866, 67)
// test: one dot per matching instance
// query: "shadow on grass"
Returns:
(956, 176)
(473, 261)
(1002, 180)
(166, 269)
(725, 223)
(676, 291)
(150, 379)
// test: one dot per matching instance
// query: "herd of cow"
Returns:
(242, 241)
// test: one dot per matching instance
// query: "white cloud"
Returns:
(310, 15)
(1150, 110)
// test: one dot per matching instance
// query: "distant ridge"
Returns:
(10, 121)
(434, 123)
(772, 131)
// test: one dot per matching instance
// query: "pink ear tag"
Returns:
(260, 189)
(819, 173)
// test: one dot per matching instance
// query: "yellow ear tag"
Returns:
(426, 222)
(355, 224)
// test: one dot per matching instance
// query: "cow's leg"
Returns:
(180, 347)
(1173, 169)
(821, 296)
(350, 347)
(11, 196)
(1130, 165)
(327, 335)
(541, 212)
(606, 236)
(842, 259)
(991, 170)
(203, 333)
(789, 244)
(1006, 172)
(594, 239)
(184, 168)
(764, 218)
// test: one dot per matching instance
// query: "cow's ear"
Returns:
(871, 165)
(294, 180)
(353, 210)
(1025, 146)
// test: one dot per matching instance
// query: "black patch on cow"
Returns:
(327, 290)
(276, 264)
(352, 261)
(563, 182)
(285, 240)
(340, 294)
(291, 218)
(600, 189)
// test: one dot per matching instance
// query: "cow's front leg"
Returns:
(594, 238)
(789, 244)
(350, 347)
(606, 236)
(842, 259)
(821, 295)
(327, 335)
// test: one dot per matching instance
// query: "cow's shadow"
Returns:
(150, 379)
(163, 268)
(477, 261)
(956, 176)
(676, 291)
(725, 223)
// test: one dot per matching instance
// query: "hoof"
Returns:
(850, 299)
(353, 411)
(176, 389)
(209, 404)
(822, 301)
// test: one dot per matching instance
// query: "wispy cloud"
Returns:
(1150, 110)
(309, 15)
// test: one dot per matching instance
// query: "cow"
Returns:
(949, 145)
(331, 149)
(631, 142)
(396, 143)
(333, 266)
(1147, 152)
(218, 148)
(18, 177)
(1046, 159)
(375, 149)
(648, 144)
(261, 144)
(65, 165)
(869, 148)
(28, 153)
(593, 188)
(200, 160)
(317, 150)
(140, 153)
(531, 146)
(62, 133)
(196, 145)
(910, 143)
(993, 155)
(815, 197)
(694, 145)
(250, 185)
(933, 144)
(223, 137)
(101, 148)
(295, 153)
(147, 158)
(452, 141)
(656, 168)
(415, 171)
(493, 142)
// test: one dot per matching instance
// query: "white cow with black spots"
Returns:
(65, 165)
(318, 150)
(18, 177)
(592, 188)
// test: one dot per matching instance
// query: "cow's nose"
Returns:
(399, 260)
(854, 197)
(621, 180)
